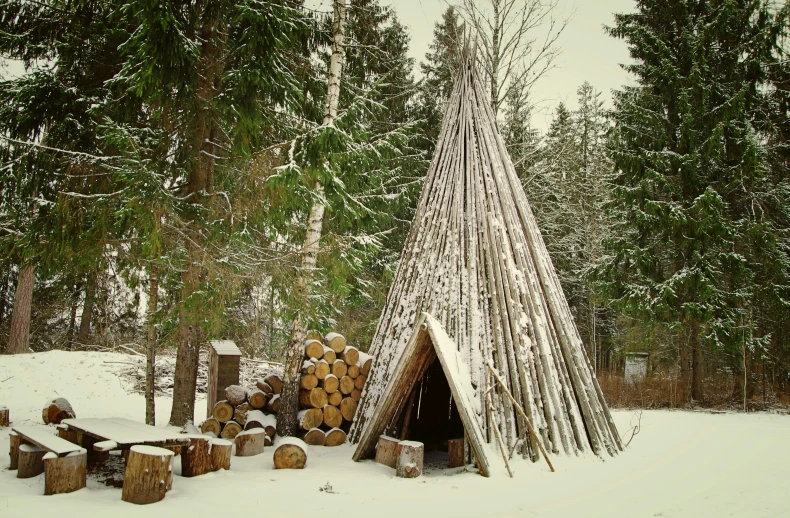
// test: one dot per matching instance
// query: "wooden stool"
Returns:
(220, 454)
(147, 474)
(250, 442)
(410, 459)
(31, 461)
(65, 474)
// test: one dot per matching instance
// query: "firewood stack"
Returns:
(246, 409)
(333, 375)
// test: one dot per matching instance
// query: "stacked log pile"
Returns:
(246, 409)
(333, 375)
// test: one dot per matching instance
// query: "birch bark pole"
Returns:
(289, 398)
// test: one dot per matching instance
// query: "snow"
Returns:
(151, 450)
(292, 441)
(680, 464)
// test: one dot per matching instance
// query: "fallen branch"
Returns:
(8, 378)
(636, 428)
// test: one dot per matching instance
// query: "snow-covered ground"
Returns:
(680, 464)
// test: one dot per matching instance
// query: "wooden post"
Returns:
(147, 473)
(65, 474)
(223, 370)
(291, 453)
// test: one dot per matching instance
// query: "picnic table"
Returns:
(121, 434)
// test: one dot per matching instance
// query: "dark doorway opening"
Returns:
(433, 418)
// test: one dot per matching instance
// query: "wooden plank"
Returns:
(45, 441)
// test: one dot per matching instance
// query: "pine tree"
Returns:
(692, 184)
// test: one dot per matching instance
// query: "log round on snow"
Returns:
(332, 416)
(348, 407)
(335, 398)
(310, 418)
(235, 394)
(313, 349)
(257, 398)
(336, 342)
(57, 410)
(230, 430)
(275, 382)
(335, 437)
(315, 398)
(220, 454)
(346, 385)
(146, 475)
(222, 411)
(65, 474)
(350, 355)
(330, 384)
(31, 461)
(250, 442)
(322, 369)
(339, 368)
(211, 425)
(196, 457)
(291, 453)
(314, 437)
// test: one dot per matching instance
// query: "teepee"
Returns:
(476, 264)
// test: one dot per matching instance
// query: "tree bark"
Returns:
(150, 346)
(91, 286)
(19, 338)
(289, 404)
(696, 364)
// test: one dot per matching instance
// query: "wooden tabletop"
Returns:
(126, 433)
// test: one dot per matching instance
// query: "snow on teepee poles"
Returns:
(475, 260)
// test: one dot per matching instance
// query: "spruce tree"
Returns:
(692, 179)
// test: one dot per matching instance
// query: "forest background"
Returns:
(161, 162)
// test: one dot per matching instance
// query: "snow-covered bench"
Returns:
(64, 464)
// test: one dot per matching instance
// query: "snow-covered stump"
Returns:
(57, 410)
(220, 454)
(410, 455)
(291, 453)
(5, 416)
(196, 458)
(31, 461)
(251, 442)
(13, 451)
(65, 474)
(145, 480)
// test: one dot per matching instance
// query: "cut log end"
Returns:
(290, 454)
(275, 382)
(250, 442)
(223, 411)
(65, 474)
(211, 425)
(230, 430)
(333, 418)
(314, 437)
(335, 437)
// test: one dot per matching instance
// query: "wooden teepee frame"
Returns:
(475, 260)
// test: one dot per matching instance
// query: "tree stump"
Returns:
(211, 425)
(231, 430)
(250, 442)
(291, 453)
(147, 473)
(196, 458)
(332, 416)
(31, 461)
(57, 410)
(220, 454)
(13, 451)
(387, 451)
(456, 451)
(335, 437)
(348, 407)
(235, 395)
(410, 455)
(222, 412)
(314, 437)
(65, 474)
(5, 417)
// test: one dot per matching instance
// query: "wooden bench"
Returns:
(64, 465)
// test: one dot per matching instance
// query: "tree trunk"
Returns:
(150, 346)
(696, 364)
(289, 404)
(185, 377)
(87, 307)
(20, 315)
(73, 316)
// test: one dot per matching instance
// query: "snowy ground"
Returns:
(680, 464)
